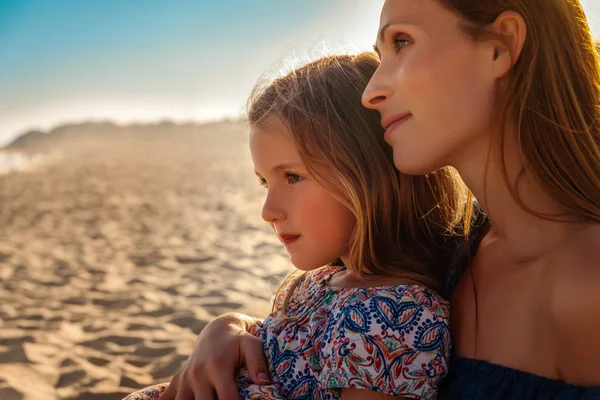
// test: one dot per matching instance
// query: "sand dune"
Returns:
(116, 254)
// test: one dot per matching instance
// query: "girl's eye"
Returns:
(262, 182)
(293, 178)
(400, 42)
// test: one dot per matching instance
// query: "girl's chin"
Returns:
(304, 266)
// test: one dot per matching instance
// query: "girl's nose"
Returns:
(272, 211)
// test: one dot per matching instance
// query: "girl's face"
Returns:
(312, 224)
(434, 87)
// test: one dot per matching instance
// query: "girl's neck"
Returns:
(346, 278)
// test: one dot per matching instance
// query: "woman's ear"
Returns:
(509, 31)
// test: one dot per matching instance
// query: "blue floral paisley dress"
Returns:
(393, 340)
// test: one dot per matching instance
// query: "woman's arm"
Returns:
(221, 348)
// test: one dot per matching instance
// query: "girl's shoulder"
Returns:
(299, 286)
(394, 294)
(404, 311)
(374, 334)
(404, 296)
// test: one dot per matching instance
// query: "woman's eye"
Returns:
(400, 42)
(262, 182)
(292, 178)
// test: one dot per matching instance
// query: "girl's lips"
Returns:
(288, 239)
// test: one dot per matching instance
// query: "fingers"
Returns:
(186, 393)
(253, 357)
(226, 388)
(204, 392)
(221, 374)
(210, 371)
(178, 389)
(171, 391)
(177, 384)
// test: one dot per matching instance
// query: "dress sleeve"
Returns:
(148, 393)
(248, 390)
(390, 343)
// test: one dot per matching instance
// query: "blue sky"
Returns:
(147, 60)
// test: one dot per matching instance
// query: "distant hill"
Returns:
(90, 133)
(27, 139)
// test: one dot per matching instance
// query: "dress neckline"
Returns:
(517, 375)
(334, 269)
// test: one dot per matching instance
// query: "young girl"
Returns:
(362, 317)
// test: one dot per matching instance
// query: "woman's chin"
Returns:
(411, 165)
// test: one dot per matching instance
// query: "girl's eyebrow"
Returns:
(284, 166)
(287, 166)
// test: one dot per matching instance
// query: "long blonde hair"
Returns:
(402, 221)
(553, 94)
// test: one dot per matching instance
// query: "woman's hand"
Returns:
(223, 346)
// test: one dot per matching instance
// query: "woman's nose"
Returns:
(376, 93)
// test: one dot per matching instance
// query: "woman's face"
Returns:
(435, 86)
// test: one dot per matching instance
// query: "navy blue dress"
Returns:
(476, 379)
(470, 379)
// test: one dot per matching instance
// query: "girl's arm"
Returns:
(360, 394)
(221, 348)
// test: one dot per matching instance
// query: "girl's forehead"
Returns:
(269, 141)
(271, 125)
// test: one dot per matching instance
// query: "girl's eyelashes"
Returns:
(290, 178)
(293, 178)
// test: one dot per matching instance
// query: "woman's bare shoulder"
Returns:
(576, 309)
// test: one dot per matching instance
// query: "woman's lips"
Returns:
(391, 124)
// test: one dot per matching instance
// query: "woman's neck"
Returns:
(526, 237)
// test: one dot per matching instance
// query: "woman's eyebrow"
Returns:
(381, 34)
(380, 37)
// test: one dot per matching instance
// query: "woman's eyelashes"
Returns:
(290, 178)
(400, 41)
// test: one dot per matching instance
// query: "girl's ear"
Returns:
(509, 31)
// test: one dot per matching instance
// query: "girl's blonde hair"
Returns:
(553, 94)
(402, 222)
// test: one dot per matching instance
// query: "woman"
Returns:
(506, 91)
(494, 89)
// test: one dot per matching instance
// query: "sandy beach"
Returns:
(116, 252)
